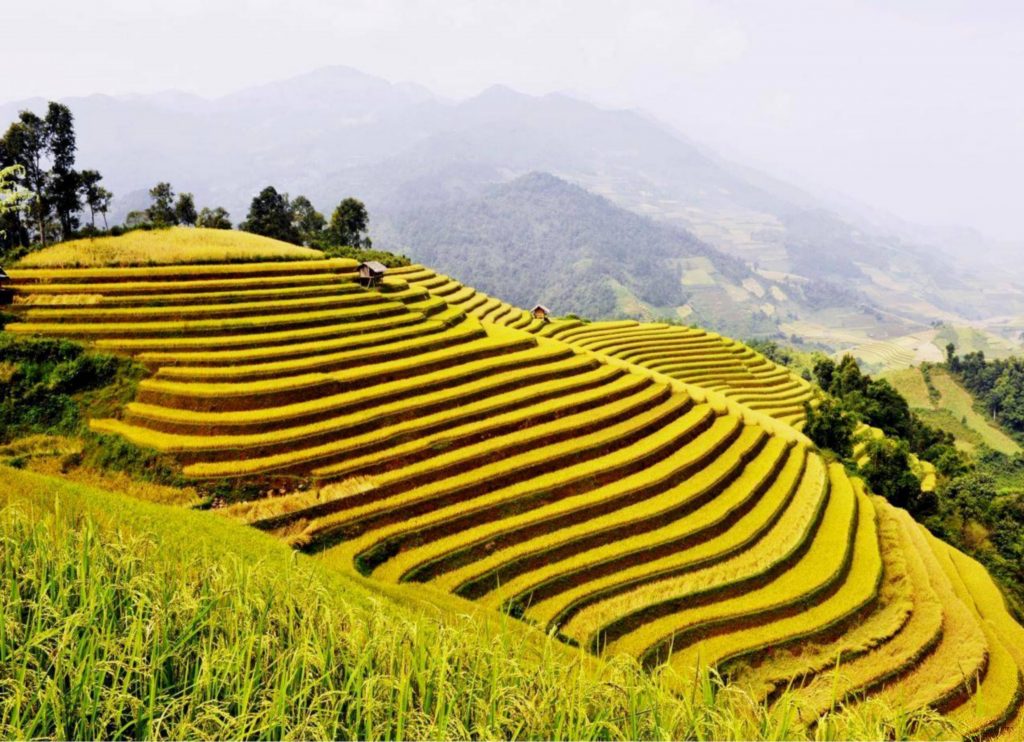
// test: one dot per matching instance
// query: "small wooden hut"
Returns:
(371, 272)
(541, 312)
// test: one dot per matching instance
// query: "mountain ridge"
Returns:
(337, 131)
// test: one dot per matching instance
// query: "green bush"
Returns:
(48, 383)
(391, 260)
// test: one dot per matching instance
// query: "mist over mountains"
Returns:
(601, 212)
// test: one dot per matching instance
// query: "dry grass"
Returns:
(35, 446)
(271, 507)
(166, 247)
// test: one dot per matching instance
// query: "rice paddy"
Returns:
(631, 489)
(176, 245)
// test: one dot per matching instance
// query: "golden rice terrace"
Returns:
(631, 488)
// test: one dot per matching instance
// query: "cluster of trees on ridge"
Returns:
(43, 199)
(45, 196)
(853, 397)
(297, 221)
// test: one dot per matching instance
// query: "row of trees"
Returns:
(38, 153)
(166, 210)
(297, 221)
(43, 197)
(271, 214)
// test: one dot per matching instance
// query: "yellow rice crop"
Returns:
(995, 698)
(895, 604)
(219, 390)
(368, 400)
(893, 658)
(271, 353)
(689, 456)
(406, 346)
(785, 536)
(177, 245)
(959, 656)
(734, 496)
(289, 440)
(184, 327)
(858, 589)
(659, 435)
(236, 468)
(750, 528)
(816, 569)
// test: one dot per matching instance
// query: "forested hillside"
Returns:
(539, 239)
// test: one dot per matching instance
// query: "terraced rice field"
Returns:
(172, 246)
(629, 488)
(899, 352)
(689, 355)
(885, 354)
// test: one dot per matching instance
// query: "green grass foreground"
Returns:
(126, 619)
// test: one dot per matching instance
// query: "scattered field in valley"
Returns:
(901, 352)
(636, 489)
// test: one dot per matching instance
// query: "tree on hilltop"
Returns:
(216, 218)
(161, 211)
(307, 220)
(270, 215)
(25, 144)
(830, 426)
(14, 197)
(64, 182)
(888, 472)
(96, 198)
(45, 148)
(349, 223)
(185, 210)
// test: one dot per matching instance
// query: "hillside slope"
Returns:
(535, 468)
(951, 409)
(190, 626)
(541, 239)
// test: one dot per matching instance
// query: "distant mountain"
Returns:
(412, 156)
(540, 239)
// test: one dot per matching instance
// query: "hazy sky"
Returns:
(914, 106)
